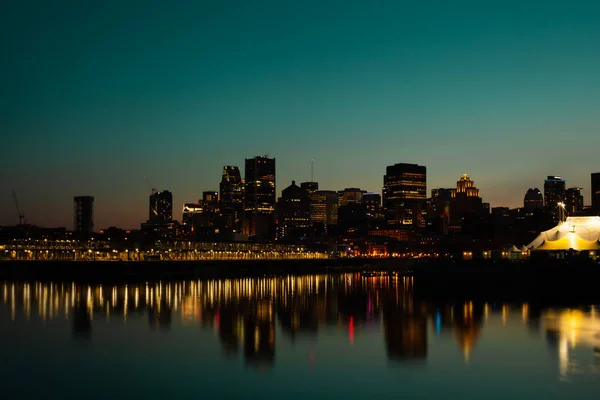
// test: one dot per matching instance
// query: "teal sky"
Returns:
(98, 95)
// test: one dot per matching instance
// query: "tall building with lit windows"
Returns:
(232, 198)
(259, 197)
(404, 193)
(573, 201)
(554, 193)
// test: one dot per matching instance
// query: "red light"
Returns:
(351, 330)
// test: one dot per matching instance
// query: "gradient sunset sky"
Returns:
(97, 95)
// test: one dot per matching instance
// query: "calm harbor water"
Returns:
(323, 336)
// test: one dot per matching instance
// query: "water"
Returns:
(320, 336)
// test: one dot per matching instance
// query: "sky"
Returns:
(98, 95)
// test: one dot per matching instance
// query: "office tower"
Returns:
(293, 211)
(350, 196)
(404, 193)
(438, 213)
(533, 200)
(83, 221)
(210, 200)
(466, 200)
(554, 193)
(232, 197)
(596, 193)
(573, 201)
(161, 207)
(372, 202)
(260, 197)
(189, 212)
(324, 208)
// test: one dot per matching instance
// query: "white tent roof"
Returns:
(578, 233)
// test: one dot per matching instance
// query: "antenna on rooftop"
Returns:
(312, 169)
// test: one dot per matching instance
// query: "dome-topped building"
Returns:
(534, 200)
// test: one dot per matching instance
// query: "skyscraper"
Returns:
(350, 196)
(554, 193)
(324, 207)
(573, 201)
(161, 207)
(232, 197)
(293, 210)
(596, 193)
(404, 192)
(210, 200)
(83, 220)
(259, 197)
(533, 200)
(466, 200)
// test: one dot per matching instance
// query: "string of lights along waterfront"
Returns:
(403, 219)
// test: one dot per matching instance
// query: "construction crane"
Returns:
(153, 204)
(22, 219)
(152, 187)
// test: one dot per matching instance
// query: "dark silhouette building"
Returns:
(372, 202)
(232, 198)
(404, 193)
(259, 197)
(83, 221)
(352, 218)
(438, 212)
(573, 201)
(161, 207)
(533, 200)
(309, 187)
(554, 193)
(293, 212)
(596, 193)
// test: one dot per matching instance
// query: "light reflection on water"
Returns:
(262, 320)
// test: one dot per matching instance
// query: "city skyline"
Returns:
(99, 96)
(177, 205)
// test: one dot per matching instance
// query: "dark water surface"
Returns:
(318, 336)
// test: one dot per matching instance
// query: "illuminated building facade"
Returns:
(161, 207)
(466, 200)
(259, 197)
(534, 200)
(554, 193)
(83, 220)
(190, 210)
(324, 208)
(350, 196)
(404, 193)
